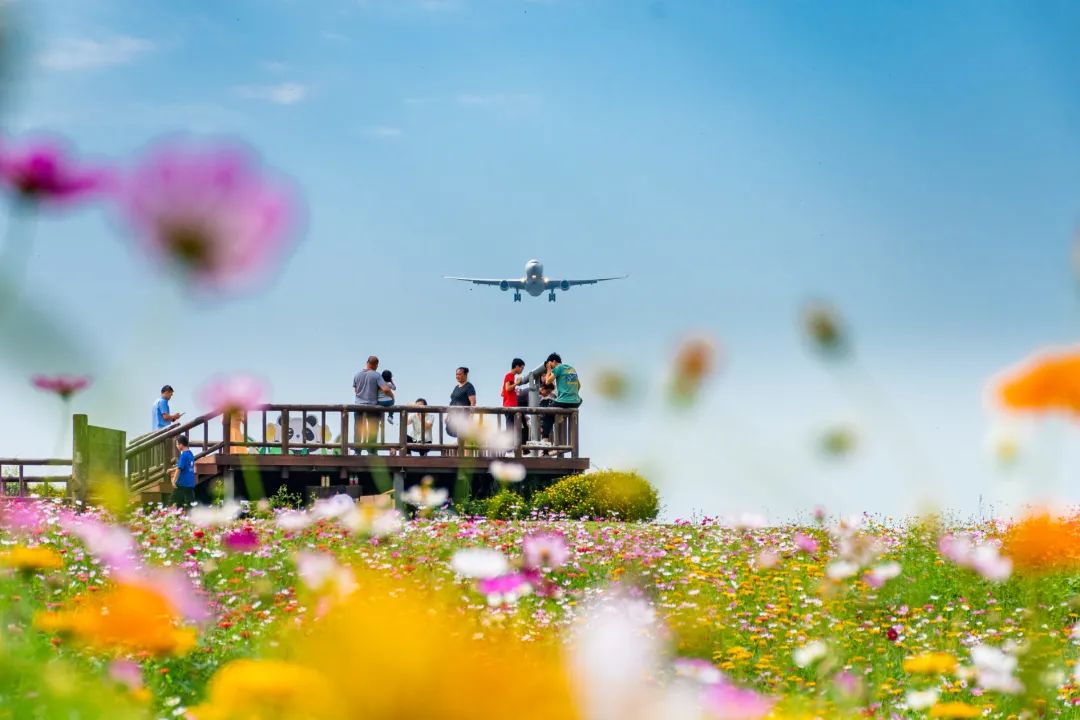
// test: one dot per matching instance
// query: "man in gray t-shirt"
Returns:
(366, 386)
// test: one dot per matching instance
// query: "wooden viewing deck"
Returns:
(317, 449)
(314, 450)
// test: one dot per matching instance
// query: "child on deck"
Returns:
(385, 400)
(184, 493)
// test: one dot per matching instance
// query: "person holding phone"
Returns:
(163, 416)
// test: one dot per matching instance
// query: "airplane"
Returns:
(534, 282)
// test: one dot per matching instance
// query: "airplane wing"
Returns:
(516, 284)
(565, 284)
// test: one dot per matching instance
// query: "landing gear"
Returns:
(517, 297)
(551, 297)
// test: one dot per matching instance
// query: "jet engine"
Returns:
(504, 286)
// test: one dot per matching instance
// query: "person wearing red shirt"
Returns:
(510, 395)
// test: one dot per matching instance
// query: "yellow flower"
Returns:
(126, 618)
(31, 558)
(268, 689)
(955, 710)
(392, 651)
(934, 663)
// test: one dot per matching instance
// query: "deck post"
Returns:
(226, 432)
(284, 432)
(344, 431)
(399, 491)
(230, 484)
(22, 481)
(575, 421)
(517, 435)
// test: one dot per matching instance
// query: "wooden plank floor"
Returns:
(412, 464)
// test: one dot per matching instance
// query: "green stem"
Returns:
(15, 255)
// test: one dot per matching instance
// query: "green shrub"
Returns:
(606, 494)
(506, 505)
(285, 499)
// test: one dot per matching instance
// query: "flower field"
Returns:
(352, 611)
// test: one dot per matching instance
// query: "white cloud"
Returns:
(384, 131)
(286, 93)
(86, 53)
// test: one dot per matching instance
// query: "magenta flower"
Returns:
(41, 173)
(505, 588)
(237, 393)
(209, 213)
(243, 540)
(806, 543)
(63, 385)
(545, 550)
(727, 702)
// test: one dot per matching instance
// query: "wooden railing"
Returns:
(18, 482)
(353, 429)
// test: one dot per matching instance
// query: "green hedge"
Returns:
(605, 494)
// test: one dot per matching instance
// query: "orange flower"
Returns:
(1042, 543)
(125, 618)
(695, 361)
(1048, 382)
(955, 710)
(31, 558)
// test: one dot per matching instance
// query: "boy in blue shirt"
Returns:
(184, 494)
(163, 417)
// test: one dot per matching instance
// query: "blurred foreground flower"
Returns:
(426, 495)
(479, 563)
(1043, 544)
(29, 559)
(695, 361)
(507, 472)
(233, 394)
(984, 558)
(243, 540)
(838, 441)
(268, 689)
(824, 329)
(209, 213)
(544, 550)
(612, 384)
(933, 663)
(42, 173)
(128, 617)
(1048, 382)
(409, 655)
(62, 385)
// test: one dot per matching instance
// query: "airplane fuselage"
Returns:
(534, 278)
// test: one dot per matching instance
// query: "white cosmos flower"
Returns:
(994, 670)
(292, 520)
(614, 655)
(507, 472)
(215, 516)
(810, 653)
(369, 519)
(841, 570)
(333, 508)
(424, 496)
(321, 572)
(921, 699)
(479, 563)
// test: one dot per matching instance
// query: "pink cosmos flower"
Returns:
(505, 588)
(41, 172)
(208, 212)
(243, 540)
(236, 393)
(63, 385)
(126, 672)
(545, 550)
(806, 543)
(22, 515)
(727, 702)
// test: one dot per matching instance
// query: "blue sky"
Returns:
(914, 164)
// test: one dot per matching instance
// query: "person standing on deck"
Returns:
(463, 395)
(366, 387)
(163, 416)
(510, 398)
(184, 493)
(567, 387)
